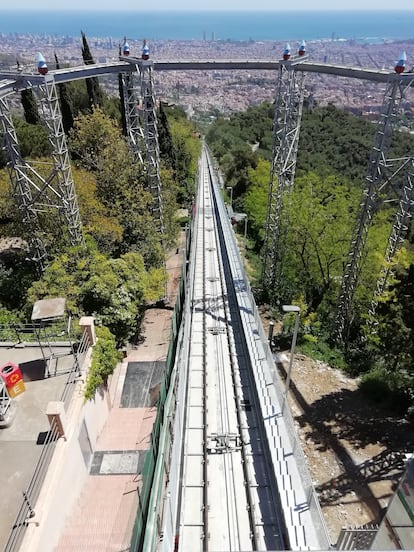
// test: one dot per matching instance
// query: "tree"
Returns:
(165, 139)
(97, 221)
(95, 93)
(104, 360)
(120, 185)
(93, 132)
(255, 199)
(31, 112)
(113, 290)
(33, 139)
(186, 148)
(65, 103)
(320, 218)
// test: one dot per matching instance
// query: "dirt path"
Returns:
(355, 450)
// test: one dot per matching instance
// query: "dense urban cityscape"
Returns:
(224, 92)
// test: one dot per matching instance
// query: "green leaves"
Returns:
(112, 290)
(104, 360)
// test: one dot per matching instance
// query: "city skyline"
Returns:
(215, 5)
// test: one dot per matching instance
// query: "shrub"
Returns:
(374, 384)
(104, 360)
(394, 389)
(321, 350)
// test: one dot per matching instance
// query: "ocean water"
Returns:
(369, 26)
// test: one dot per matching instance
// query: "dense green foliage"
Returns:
(104, 360)
(317, 222)
(31, 113)
(121, 270)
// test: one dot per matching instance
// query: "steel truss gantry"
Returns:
(151, 140)
(7, 407)
(34, 192)
(375, 188)
(131, 91)
(398, 233)
(59, 185)
(19, 172)
(286, 129)
(141, 124)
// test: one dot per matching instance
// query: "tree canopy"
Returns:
(319, 217)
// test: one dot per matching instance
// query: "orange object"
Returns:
(16, 389)
(11, 374)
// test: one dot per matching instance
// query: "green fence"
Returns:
(154, 468)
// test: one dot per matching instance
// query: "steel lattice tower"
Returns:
(63, 190)
(374, 183)
(131, 90)
(151, 140)
(398, 233)
(22, 185)
(286, 129)
(141, 123)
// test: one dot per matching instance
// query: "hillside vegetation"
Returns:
(121, 269)
(320, 213)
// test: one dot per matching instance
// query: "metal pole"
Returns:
(270, 334)
(245, 228)
(296, 310)
(231, 195)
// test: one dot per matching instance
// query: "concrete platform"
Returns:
(21, 442)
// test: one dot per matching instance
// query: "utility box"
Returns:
(13, 378)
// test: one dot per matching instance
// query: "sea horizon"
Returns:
(363, 25)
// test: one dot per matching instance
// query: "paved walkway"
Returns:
(104, 515)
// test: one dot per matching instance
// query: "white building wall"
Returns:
(67, 471)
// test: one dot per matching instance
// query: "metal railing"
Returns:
(31, 494)
(33, 333)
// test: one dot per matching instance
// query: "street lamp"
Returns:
(231, 195)
(296, 310)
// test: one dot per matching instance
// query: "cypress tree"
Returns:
(121, 96)
(96, 96)
(65, 103)
(123, 107)
(165, 139)
(31, 113)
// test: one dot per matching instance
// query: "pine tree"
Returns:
(95, 93)
(65, 103)
(31, 113)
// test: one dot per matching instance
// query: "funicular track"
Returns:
(229, 499)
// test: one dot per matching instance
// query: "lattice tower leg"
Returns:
(135, 132)
(286, 129)
(368, 204)
(397, 236)
(151, 143)
(22, 186)
(62, 173)
(5, 403)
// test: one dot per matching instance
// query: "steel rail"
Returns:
(224, 420)
(205, 421)
(235, 376)
(263, 492)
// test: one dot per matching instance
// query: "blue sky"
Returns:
(175, 5)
